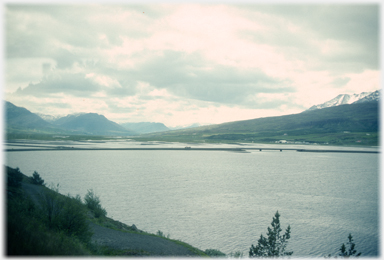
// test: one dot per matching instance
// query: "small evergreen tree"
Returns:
(36, 179)
(274, 244)
(351, 251)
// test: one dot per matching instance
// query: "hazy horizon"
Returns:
(181, 64)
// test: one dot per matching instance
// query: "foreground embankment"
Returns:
(42, 222)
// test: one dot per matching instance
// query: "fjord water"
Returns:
(225, 200)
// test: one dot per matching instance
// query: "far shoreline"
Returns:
(186, 149)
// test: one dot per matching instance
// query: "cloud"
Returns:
(69, 83)
(192, 76)
(175, 62)
(344, 36)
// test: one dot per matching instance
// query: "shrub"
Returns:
(65, 214)
(214, 253)
(93, 203)
(237, 254)
(28, 235)
(274, 244)
(51, 206)
(73, 220)
(161, 234)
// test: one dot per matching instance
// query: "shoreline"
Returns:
(184, 149)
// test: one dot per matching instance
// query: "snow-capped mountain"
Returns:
(374, 96)
(49, 118)
(186, 126)
(343, 99)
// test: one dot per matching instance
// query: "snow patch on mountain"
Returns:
(343, 99)
(49, 118)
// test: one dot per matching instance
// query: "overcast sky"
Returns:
(187, 63)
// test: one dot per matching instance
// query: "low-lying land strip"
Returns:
(63, 148)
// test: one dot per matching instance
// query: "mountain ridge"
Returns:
(343, 124)
(21, 117)
(92, 123)
(21, 120)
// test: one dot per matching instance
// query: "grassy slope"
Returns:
(28, 233)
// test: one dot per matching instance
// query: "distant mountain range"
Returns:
(330, 122)
(343, 99)
(21, 120)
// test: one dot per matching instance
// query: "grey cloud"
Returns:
(26, 39)
(184, 75)
(64, 58)
(73, 84)
(43, 30)
(341, 81)
(356, 25)
(121, 92)
(126, 78)
(77, 84)
(113, 108)
(58, 105)
(46, 67)
(66, 23)
(274, 104)
(40, 107)
(75, 25)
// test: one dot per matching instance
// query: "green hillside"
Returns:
(346, 124)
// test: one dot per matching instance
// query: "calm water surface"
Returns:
(225, 200)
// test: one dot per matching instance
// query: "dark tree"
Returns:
(351, 251)
(274, 244)
(36, 179)
(14, 177)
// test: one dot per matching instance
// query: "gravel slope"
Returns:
(155, 246)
